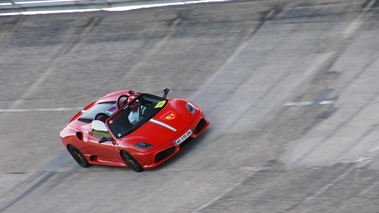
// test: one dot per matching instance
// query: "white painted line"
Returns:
(126, 8)
(56, 11)
(326, 102)
(61, 109)
(308, 103)
(110, 9)
(41, 2)
(5, 4)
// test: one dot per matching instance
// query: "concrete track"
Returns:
(290, 88)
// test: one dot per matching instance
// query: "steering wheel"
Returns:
(122, 100)
(101, 117)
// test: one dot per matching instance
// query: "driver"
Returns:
(136, 112)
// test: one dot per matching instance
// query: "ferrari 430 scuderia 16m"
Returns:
(132, 129)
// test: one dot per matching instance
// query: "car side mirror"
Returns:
(99, 126)
(165, 92)
(105, 139)
(99, 130)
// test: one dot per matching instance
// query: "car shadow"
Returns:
(187, 150)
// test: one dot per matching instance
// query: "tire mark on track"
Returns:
(330, 184)
(346, 202)
(173, 24)
(38, 180)
(43, 177)
(330, 135)
(360, 139)
(370, 4)
(8, 28)
(268, 15)
(88, 27)
(336, 50)
(67, 47)
(250, 173)
(369, 188)
(323, 189)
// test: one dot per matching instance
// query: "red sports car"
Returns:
(132, 129)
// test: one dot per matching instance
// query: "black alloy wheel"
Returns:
(131, 161)
(78, 156)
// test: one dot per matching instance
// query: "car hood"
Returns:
(167, 125)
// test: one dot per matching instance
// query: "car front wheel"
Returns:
(131, 161)
(78, 156)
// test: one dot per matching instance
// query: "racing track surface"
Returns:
(290, 88)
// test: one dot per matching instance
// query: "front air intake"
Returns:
(199, 126)
(164, 154)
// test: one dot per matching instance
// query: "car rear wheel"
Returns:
(131, 161)
(78, 156)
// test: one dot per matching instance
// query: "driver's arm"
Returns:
(131, 118)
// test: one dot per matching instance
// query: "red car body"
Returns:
(168, 124)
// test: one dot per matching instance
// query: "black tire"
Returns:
(131, 161)
(78, 156)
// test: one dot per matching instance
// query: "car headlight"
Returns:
(142, 145)
(191, 108)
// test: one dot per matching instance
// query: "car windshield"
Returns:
(105, 107)
(145, 104)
